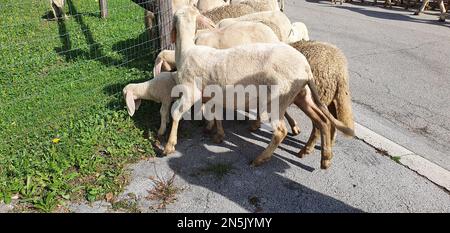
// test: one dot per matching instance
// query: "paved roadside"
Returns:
(218, 178)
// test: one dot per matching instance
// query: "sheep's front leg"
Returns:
(280, 132)
(55, 10)
(181, 106)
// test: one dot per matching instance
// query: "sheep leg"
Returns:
(307, 105)
(333, 111)
(256, 124)
(56, 11)
(280, 132)
(309, 146)
(164, 111)
(442, 9)
(181, 106)
(220, 134)
(292, 123)
(209, 127)
(422, 8)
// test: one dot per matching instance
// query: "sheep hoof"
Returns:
(295, 130)
(416, 13)
(303, 152)
(158, 145)
(218, 138)
(441, 20)
(255, 125)
(259, 161)
(169, 149)
(324, 164)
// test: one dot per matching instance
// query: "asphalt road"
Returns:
(399, 66)
(218, 178)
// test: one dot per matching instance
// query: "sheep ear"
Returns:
(157, 68)
(131, 105)
(206, 22)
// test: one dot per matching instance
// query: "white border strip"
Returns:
(424, 167)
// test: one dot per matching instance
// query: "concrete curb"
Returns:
(422, 166)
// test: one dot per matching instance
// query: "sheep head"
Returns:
(191, 16)
(132, 101)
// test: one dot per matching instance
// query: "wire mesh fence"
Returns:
(61, 81)
(44, 57)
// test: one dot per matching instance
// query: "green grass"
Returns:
(64, 131)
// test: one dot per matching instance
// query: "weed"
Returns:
(164, 191)
(128, 205)
(396, 158)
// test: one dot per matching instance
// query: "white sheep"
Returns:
(274, 4)
(238, 33)
(299, 32)
(441, 7)
(206, 5)
(157, 89)
(253, 64)
(276, 20)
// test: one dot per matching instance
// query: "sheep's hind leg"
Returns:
(280, 132)
(220, 134)
(164, 112)
(309, 146)
(443, 11)
(321, 122)
(255, 124)
(294, 126)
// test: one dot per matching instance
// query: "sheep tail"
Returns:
(344, 104)
(338, 124)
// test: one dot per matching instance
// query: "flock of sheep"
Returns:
(250, 42)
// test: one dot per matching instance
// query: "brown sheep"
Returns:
(329, 67)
